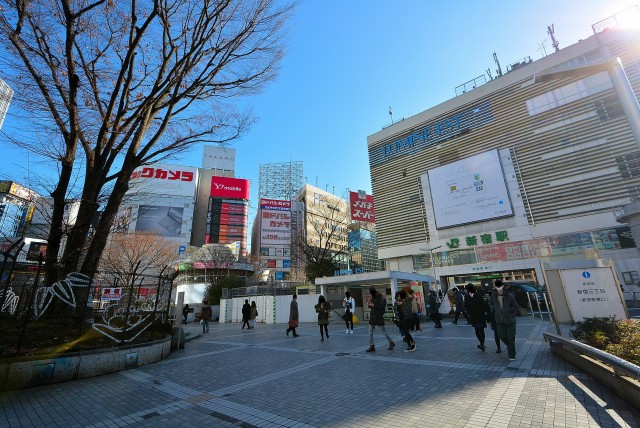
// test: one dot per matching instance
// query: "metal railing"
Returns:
(535, 297)
(618, 364)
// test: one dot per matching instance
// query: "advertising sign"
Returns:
(160, 179)
(275, 228)
(229, 187)
(215, 157)
(513, 250)
(36, 251)
(469, 190)
(14, 188)
(362, 206)
(111, 293)
(592, 293)
(227, 222)
(275, 204)
(159, 220)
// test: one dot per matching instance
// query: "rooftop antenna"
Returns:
(554, 43)
(391, 114)
(489, 74)
(499, 70)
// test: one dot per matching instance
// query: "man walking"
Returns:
(478, 310)
(505, 308)
(377, 305)
(434, 309)
(246, 313)
(407, 319)
(293, 316)
(205, 316)
(415, 309)
(460, 306)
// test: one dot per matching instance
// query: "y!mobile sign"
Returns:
(362, 207)
(228, 187)
(273, 204)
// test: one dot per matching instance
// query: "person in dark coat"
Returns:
(246, 314)
(434, 309)
(185, 313)
(293, 316)
(477, 309)
(460, 309)
(505, 308)
(492, 322)
(378, 305)
(397, 314)
(323, 309)
(406, 306)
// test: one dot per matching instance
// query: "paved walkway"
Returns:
(262, 378)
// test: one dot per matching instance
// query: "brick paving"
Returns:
(262, 378)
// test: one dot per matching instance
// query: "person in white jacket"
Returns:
(349, 305)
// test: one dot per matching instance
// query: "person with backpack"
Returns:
(477, 309)
(349, 305)
(323, 309)
(407, 319)
(378, 305)
(205, 316)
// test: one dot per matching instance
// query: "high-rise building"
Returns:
(6, 93)
(17, 204)
(280, 180)
(531, 166)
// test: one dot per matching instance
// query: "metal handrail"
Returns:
(617, 363)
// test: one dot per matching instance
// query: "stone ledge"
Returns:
(624, 386)
(24, 372)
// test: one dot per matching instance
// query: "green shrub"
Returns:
(598, 332)
(627, 345)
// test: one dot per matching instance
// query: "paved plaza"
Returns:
(262, 378)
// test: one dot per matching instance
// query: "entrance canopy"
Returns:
(395, 279)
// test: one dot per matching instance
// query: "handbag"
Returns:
(293, 324)
(355, 319)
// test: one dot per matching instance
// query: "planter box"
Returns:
(18, 373)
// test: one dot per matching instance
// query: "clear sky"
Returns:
(348, 61)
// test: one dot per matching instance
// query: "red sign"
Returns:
(111, 293)
(513, 250)
(163, 174)
(228, 187)
(274, 204)
(361, 207)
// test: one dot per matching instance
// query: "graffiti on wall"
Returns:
(10, 302)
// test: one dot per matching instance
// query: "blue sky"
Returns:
(348, 61)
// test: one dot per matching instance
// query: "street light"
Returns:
(433, 265)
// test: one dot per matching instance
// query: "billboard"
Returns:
(362, 206)
(275, 223)
(469, 190)
(229, 187)
(227, 221)
(592, 292)
(160, 179)
(159, 220)
(215, 157)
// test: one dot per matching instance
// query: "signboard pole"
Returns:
(546, 281)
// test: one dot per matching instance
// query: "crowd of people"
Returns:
(497, 308)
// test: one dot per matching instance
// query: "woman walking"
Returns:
(407, 319)
(323, 309)
(349, 305)
(253, 313)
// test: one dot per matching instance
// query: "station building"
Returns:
(532, 166)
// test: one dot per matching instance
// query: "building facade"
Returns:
(529, 167)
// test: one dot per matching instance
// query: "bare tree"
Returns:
(108, 86)
(129, 256)
(323, 244)
(217, 259)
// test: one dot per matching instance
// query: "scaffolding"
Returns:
(280, 180)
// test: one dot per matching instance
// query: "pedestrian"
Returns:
(349, 305)
(397, 314)
(185, 313)
(477, 309)
(460, 306)
(253, 313)
(378, 305)
(407, 316)
(205, 316)
(293, 316)
(506, 308)
(323, 309)
(434, 309)
(416, 312)
(246, 314)
(492, 322)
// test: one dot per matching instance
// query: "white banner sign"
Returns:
(275, 228)
(215, 157)
(592, 293)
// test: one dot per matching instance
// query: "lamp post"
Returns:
(433, 265)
